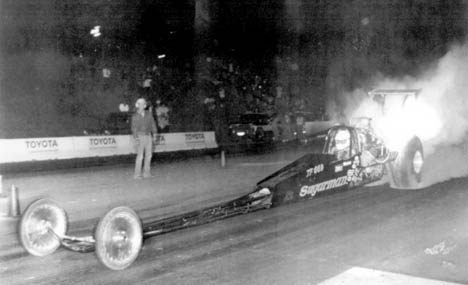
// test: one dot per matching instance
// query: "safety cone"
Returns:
(14, 207)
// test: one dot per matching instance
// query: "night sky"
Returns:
(247, 29)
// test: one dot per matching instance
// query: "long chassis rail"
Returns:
(243, 205)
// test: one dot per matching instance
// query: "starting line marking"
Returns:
(365, 276)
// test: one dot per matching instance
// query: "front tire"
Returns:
(119, 238)
(41, 226)
(406, 171)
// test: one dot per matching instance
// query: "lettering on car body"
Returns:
(338, 168)
(355, 174)
(312, 190)
(314, 170)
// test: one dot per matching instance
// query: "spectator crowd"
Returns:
(201, 96)
(214, 93)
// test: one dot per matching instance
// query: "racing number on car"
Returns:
(314, 170)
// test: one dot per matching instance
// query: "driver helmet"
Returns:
(342, 139)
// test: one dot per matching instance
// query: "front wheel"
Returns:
(406, 171)
(42, 225)
(119, 237)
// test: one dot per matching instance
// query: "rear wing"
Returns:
(393, 98)
(394, 92)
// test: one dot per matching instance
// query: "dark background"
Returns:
(50, 65)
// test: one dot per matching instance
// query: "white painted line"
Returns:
(365, 276)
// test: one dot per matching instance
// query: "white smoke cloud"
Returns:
(447, 91)
(440, 117)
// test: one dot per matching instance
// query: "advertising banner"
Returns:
(40, 149)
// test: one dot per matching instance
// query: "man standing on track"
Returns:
(144, 133)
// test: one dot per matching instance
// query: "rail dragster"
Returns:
(351, 156)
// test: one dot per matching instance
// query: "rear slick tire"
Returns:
(406, 171)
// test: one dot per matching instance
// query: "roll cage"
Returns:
(330, 143)
(361, 140)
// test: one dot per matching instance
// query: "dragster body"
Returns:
(312, 175)
(350, 156)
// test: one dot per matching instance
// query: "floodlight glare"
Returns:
(96, 31)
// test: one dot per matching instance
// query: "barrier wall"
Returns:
(42, 149)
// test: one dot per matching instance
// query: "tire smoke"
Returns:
(439, 118)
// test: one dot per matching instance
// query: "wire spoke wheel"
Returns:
(119, 237)
(41, 226)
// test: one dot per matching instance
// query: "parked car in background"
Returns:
(253, 128)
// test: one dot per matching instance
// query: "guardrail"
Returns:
(45, 149)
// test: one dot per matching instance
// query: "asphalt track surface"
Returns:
(419, 233)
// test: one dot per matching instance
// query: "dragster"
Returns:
(351, 156)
